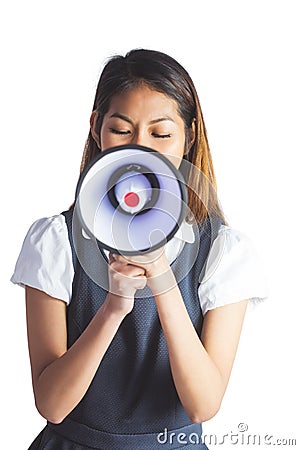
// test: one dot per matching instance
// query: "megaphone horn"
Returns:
(131, 199)
(133, 188)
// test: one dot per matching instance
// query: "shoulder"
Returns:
(47, 226)
(45, 235)
(45, 259)
(230, 245)
(234, 270)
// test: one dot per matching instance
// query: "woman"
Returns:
(139, 364)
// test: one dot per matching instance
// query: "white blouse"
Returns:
(233, 272)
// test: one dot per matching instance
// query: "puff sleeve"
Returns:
(45, 260)
(234, 272)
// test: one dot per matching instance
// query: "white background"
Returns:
(244, 59)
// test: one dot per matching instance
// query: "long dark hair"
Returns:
(164, 74)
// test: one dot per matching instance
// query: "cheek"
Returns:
(178, 145)
(174, 152)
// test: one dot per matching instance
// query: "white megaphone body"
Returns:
(131, 199)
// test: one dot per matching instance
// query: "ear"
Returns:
(192, 133)
(95, 133)
(192, 136)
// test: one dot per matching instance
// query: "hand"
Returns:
(124, 280)
(160, 277)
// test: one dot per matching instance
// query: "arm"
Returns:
(200, 368)
(61, 376)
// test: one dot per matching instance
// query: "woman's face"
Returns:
(145, 117)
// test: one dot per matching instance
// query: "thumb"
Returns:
(111, 258)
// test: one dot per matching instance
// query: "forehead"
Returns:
(144, 102)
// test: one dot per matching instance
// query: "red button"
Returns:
(131, 199)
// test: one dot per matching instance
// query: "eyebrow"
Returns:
(159, 119)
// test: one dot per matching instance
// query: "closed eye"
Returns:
(162, 136)
(113, 130)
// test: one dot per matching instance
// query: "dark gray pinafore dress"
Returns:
(132, 403)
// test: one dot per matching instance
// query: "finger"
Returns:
(111, 257)
(124, 259)
(132, 260)
(142, 260)
(127, 262)
(127, 269)
(140, 282)
(121, 259)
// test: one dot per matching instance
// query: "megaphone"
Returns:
(131, 199)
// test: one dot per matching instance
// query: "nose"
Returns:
(140, 138)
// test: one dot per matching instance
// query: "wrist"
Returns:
(116, 307)
(158, 267)
(162, 282)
